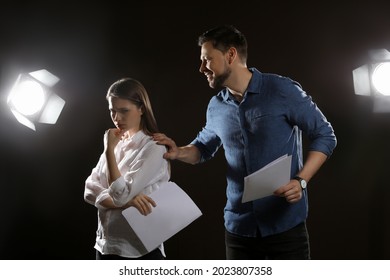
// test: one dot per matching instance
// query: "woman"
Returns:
(130, 168)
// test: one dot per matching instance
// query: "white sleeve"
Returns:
(95, 189)
(147, 168)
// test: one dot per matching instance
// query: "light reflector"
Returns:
(32, 100)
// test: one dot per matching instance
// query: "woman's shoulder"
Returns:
(151, 144)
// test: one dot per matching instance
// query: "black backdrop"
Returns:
(42, 173)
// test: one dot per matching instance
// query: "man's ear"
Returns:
(232, 53)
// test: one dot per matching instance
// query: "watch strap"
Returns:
(299, 179)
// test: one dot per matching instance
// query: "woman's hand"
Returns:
(143, 203)
(112, 137)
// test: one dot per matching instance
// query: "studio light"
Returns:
(373, 79)
(32, 99)
(380, 78)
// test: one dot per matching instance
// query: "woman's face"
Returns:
(125, 115)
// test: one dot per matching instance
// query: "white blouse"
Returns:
(140, 161)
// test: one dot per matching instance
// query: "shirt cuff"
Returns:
(100, 198)
(117, 187)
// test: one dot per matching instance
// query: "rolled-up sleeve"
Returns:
(309, 118)
(95, 190)
(146, 169)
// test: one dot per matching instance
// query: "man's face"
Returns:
(214, 65)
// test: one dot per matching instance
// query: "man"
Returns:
(257, 118)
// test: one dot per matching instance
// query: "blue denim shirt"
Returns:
(267, 124)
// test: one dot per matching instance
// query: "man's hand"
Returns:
(292, 191)
(173, 150)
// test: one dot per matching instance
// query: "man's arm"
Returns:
(292, 191)
(312, 164)
(189, 154)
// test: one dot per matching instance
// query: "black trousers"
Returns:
(289, 245)
(153, 255)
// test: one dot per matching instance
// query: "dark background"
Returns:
(42, 173)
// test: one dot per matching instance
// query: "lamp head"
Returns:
(32, 100)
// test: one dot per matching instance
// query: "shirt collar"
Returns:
(254, 85)
(256, 81)
(134, 142)
(136, 137)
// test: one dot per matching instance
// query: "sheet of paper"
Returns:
(266, 180)
(175, 210)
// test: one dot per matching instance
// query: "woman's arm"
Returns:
(142, 202)
(146, 169)
(111, 139)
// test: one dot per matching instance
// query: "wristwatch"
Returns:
(301, 181)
